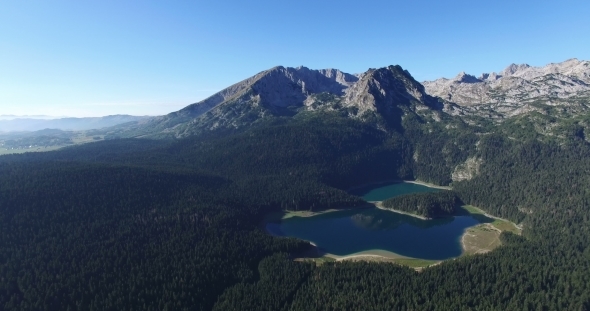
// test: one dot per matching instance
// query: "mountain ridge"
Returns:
(381, 96)
(515, 84)
(287, 91)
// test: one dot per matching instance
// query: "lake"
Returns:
(351, 231)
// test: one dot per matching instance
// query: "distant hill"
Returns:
(35, 123)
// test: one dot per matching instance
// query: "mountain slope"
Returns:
(285, 92)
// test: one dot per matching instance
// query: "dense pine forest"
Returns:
(132, 224)
(429, 205)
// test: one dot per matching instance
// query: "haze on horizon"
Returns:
(79, 59)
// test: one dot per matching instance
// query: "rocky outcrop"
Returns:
(386, 88)
(467, 170)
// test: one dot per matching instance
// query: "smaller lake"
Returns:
(351, 231)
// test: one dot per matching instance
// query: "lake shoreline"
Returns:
(468, 239)
(368, 253)
(379, 205)
(416, 182)
(371, 204)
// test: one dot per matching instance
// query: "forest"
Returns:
(132, 224)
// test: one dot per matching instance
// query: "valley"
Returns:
(165, 213)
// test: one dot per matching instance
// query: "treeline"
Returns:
(429, 204)
(517, 276)
(519, 179)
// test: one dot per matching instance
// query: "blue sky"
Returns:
(94, 58)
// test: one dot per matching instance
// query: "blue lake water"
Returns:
(351, 231)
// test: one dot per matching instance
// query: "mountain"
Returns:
(382, 94)
(517, 89)
(19, 124)
(158, 224)
(379, 96)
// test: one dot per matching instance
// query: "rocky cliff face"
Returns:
(467, 170)
(383, 89)
(516, 85)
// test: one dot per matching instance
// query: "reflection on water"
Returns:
(351, 231)
(389, 190)
(375, 219)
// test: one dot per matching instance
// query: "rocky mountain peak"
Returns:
(514, 68)
(489, 76)
(516, 85)
(462, 77)
(385, 88)
(286, 86)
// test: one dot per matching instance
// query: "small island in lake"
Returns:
(426, 204)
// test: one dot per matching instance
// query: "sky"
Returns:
(96, 58)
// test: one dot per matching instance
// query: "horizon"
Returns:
(53, 117)
(149, 58)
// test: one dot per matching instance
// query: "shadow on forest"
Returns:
(461, 211)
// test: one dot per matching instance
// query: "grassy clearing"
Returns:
(498, 223)
(480, 239)
(504, 225)
(484, 237)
